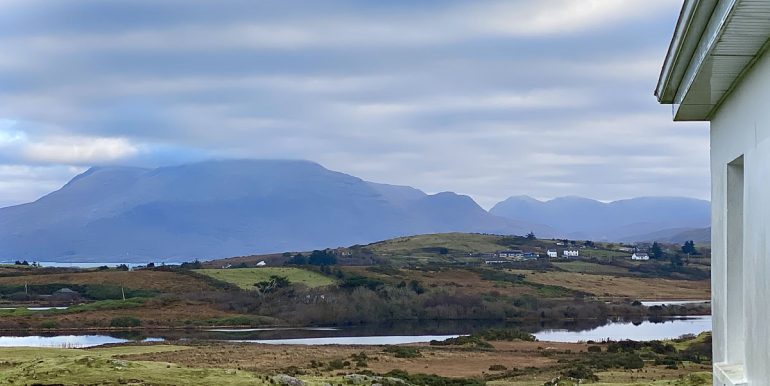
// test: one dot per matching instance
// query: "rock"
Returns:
(283, 379)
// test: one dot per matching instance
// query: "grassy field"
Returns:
(420, 245)
(247, 277)
(219, 363)
(625, 287)
(101, 366)
(592, 268)
(141, 279)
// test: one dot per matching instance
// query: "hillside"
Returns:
(227, 208)
(624, 220)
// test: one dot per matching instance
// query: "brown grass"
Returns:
(631, 287)
(461, 279)
(445, 361)
(141, 279)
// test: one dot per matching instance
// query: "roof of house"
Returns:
(715, 42)
(65, 291)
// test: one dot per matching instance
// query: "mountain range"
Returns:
(227, 208)
(636, 219)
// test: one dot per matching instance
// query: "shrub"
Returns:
(594, 349)
(335, 364)
(403, 351)
(125, 321)
(430, 379)
(497, 368)
(581, 372)
(462, 341)
(47, 324)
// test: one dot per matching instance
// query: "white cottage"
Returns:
(718, 70)
(640, 256)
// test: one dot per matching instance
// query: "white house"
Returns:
(552, 254)
(570, 253)
(718, 70)
(640, 256)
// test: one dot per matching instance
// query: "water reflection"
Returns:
(389, 333)
(644, 331)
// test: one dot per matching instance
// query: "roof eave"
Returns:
(692, 23)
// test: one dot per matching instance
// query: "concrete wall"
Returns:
(741, 201)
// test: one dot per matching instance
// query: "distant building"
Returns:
(626, 249)
(496, 261)
(530, 255)
(552, 254)
(640, 256)
(512, 254)
(570, 253)
(261, 264)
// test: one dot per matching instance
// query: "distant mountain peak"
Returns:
(222, 208)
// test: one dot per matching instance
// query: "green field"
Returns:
(247, 277)
(421, 245)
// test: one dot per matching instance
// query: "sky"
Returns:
(491, 99)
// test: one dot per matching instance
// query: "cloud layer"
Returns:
(487, 98)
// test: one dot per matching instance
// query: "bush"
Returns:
(335, 364)
(462, 341)
(403, 351)
(431, 379)
(497, 368)
(125, 321)
(594, 349)
(48, 324)
(361, 281)
(581, 372)
(233, 321)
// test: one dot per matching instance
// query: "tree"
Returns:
(689, 248)
(298, 259)
(322, 258)
(656, 252)
(275, 282)
(676, 260)
(531, 236)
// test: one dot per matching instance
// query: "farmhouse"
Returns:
(552, 254)
(570, 253)
(718, 70)
(640, 256)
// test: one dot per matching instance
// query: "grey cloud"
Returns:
(438, 95)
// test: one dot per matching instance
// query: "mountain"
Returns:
(675, 236)
(226, 208)
(624, 220)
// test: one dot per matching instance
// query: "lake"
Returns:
(392, 333)
(643, 331)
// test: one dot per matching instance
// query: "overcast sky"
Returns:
(486, 98)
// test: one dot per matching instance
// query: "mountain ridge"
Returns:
(620, 220)
(224, 208)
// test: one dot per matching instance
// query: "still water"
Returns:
(643, 331)
(398, 333)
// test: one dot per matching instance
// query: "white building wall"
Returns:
(741, 127)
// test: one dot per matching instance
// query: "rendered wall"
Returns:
(741, 127)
